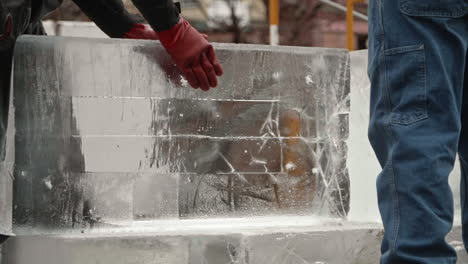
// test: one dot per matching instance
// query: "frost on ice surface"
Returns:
(121, 140)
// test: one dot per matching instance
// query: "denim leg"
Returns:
(2, 240)
(463, 153)
(417, 53)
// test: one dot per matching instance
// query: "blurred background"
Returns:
(313, 23)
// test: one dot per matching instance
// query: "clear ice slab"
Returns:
(108, 133)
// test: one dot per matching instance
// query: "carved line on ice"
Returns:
(227, 162)
(263, 137)
(268, 123)
(165, 98)
(339, 194)
(257, 161)
(233, 170)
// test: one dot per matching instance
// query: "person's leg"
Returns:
(10, 27)
(417, 53)
(463, 153)
(36, 29)
(6, 55)
(2, 240)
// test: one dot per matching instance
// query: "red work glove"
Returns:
(140, 31)
(7, 28)
(193, 55)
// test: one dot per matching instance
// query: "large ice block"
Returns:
(108, 132)
(278, 240)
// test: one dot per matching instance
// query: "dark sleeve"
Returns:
(160, 14)
(109, 15)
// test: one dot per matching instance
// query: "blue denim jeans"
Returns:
(418, 123)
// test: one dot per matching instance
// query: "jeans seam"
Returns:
(383, 60)
(425, 88)
(423, 75)
(396, 206)
(434, 12)
(404, 49)
(395, 200)
(388, 128)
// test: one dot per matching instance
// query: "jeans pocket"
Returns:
(406, 83)
(434, 8)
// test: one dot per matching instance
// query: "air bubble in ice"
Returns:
(290, 166)
(48, 183)
(309, 80)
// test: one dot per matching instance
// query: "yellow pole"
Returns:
(350, 22)
(274, 22)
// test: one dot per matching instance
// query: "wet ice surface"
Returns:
(166, 174)
(258, 225)
(108, 133)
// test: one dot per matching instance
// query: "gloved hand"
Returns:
(7, 27)
(140, 31)
(192, 54)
